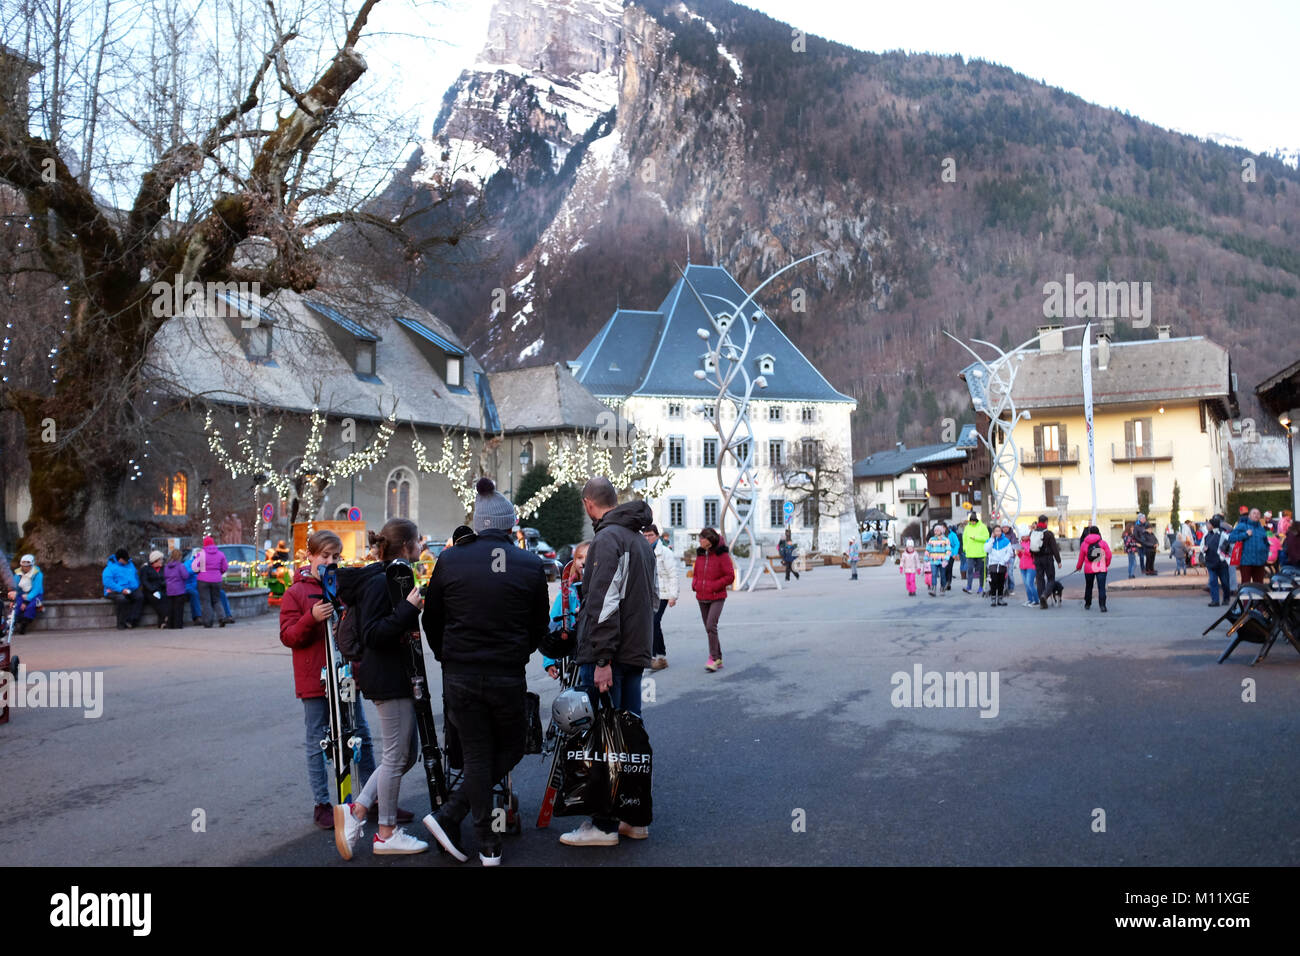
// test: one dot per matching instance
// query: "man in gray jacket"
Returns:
(615, 623)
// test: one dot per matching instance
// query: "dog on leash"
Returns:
(1058, 591)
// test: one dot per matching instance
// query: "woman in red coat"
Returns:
(711, 577)
(303, 613)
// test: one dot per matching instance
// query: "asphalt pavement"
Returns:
(1116, 739)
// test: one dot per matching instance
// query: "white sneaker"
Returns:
(399, 842)
(633, 833)
(588, 835)
(347, 830)
(490, 859)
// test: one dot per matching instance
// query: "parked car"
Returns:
(533, 539)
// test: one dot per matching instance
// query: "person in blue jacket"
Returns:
(1252, 534)
(122, 587)
(31, 591)
(955, 540)
(574, 574)
(192, 592)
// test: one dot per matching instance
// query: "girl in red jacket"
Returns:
(303, 612)
(711, 577)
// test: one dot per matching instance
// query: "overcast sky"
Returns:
(1212, 69)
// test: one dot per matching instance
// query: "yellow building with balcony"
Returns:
(1157, 408)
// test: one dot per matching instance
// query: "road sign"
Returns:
(354, 513)
(268, 512)
(789, 508)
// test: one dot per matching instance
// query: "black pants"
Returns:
(1100, 577)
(789, 568)
(176, 610)
(1045, 577)
(488, 711)
(659, 649)
(159, 605)
(128, 606)
(997, 581)
(1149, 561)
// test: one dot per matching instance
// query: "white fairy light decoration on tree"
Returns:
(314, 471)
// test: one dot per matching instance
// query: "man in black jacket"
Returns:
(485, 611)
(615, 624)
(1147, 540)
(1215, 565)
(1044, 569)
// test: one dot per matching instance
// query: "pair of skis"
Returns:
(342, 747)
(401, 579)
(554, 744)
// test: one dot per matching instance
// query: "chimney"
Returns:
(1162, 331)
(1051, 338)
(899, 446)
(1103, 351)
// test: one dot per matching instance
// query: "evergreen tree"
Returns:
(1173, 508)
(559, 519)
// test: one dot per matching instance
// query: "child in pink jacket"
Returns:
(911, 565)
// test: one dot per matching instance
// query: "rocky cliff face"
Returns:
(601, 138)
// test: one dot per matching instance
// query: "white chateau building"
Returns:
(643, 364)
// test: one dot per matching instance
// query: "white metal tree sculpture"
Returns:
(726, 362)
(991, 394)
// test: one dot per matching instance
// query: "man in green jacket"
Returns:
(972, 542)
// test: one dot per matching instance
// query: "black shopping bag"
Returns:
(630, 768)
(584, 777)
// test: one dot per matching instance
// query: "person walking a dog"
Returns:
(1043, 546)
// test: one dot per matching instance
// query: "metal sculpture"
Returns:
(726, 360)
(991, 394)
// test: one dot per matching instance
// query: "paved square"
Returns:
(792, 754)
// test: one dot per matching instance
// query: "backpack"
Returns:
(347, 635)
(1094, 552)
(1035, 541)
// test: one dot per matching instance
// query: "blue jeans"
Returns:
(1219, 580)
(196, 612)
(1180, 563)
(1132, 564)
(316, 714)
(625, 695)
(626, 691)
(1031, 585)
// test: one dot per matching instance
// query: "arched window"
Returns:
(399, 499)
(173, 495)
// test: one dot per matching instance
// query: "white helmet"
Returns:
(571, 711)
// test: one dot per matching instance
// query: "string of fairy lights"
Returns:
(571, 462)
(51, 356)
(314, 469)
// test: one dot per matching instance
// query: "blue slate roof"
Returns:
(657, 353)
(487, 404)
(422, 330)
(338, 318)
(893, 462)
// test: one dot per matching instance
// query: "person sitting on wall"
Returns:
(122, 587)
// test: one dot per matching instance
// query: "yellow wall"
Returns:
(1196, 464)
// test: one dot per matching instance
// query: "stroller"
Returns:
(503, 793)
(8, 662)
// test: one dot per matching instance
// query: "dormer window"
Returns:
(365, 358)
(442, 354)
(455, 366)
(258, 342)
(766, 365)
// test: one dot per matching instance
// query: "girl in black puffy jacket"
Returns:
(382, 676)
